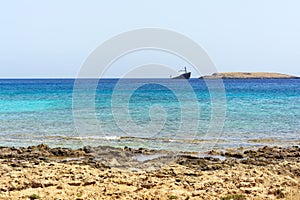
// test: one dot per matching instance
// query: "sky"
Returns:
(54, 38)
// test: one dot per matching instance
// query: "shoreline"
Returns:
(188, 145)
(126, 173)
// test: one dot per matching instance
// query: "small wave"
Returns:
(179, 140)
(116, 138)
(84, 137)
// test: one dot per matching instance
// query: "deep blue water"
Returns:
(258, 111)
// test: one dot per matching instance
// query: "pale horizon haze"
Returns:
(52, 39)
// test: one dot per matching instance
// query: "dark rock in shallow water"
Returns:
(278, 153)
(88, 149)
(105, 157)
(127, 148)
(43, 146)
(202, 164)
(59, 152)
(234, 154)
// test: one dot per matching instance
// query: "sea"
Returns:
(181, 115)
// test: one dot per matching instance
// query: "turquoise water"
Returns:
(258, 111)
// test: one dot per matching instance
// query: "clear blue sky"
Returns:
(53, 38)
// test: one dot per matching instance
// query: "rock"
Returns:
(59, 187)
(43, 147)
(234, 154)
(36, 184)
(88, 149)
(75, 183)
(58, 152)
(277, 193)
(86, 183)
(114, 162)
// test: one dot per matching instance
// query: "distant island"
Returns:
(248, 75)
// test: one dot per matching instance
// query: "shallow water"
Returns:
(258, 112)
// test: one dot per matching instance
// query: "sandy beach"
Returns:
(41, 172)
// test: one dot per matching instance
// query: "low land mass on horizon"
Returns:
(248, 75)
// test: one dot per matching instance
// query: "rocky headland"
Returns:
(41, 172)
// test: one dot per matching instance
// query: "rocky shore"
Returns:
(41, 172)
